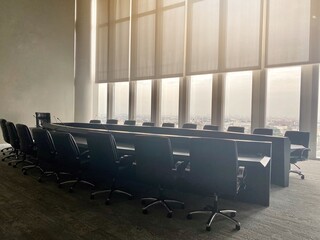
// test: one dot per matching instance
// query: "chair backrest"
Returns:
(235, 129)
(299, 138)
(154, 159)
(46, 150)
(149, 124)
(95, 121)
(263, 131)
(189, 125)
(4, 129)
(211, 127)
(67, 149)
(13, 135)
(112, 121)
(167, 124)
(214, 165)
(130, 122)
(26, 140)
(103, 153)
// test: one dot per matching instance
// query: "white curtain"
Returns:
(289, 35)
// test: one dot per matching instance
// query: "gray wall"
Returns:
(36, 59)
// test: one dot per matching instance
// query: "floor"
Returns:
(33, 210)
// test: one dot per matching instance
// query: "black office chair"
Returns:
(211, 127)
(105, 164)
(167, 124)
(130, 122)
(213, 172)
(189, 125)
(148, 124)
(5, 135)
(15, 143)
(154, 166)
(263, 131)
(27, 146)
(112, 121)
(95, 121)
(46, 154)
(298, 138)
(235, 129)
(71, 161)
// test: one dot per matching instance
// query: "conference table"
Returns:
(258, 170)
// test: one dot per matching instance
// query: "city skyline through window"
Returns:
(121, 101)
(143, 101)
(170, 100)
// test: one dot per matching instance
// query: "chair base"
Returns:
(214, 212)
(7, 150)
(298, 171)
(75, 182)
(110, 193)
(49, 174)
(163, 202)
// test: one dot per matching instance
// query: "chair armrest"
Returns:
(126, 160)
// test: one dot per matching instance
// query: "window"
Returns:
(102, 101)
(170, 100)
(121, 101)
(143, 104)
(283, 99)
(238, 97)
(201, 100)
(318, 124)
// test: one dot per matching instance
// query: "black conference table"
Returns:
(258, 170)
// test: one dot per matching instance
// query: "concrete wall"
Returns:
(36, 59)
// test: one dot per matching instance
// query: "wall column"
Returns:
(83, 77)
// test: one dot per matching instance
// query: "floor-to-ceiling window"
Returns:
(201, 100)
(143, 101)
(102, 102)
(238, 95)
(170, 100)
(121, 101)
(318, 124)
(283, 99)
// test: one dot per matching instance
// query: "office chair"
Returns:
(154, 166)
(189, 125)
(130, 122)
(27, 146)
(112, 121)
(15, 143)
(105, 164)
(5, 135)
(211, 127)
(167, 124)
(46, 154)
(235, 129)
(213, 172)
(149, 124)
(95, 121)
(263, 131)
(298, 138)
(71, 161)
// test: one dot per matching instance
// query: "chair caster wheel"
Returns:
(39, 180)
(189, 216)
(59, 185)
(9, 164)
(182, 206)
(91, 197)
(237, 227)
(70, 190)
(130, 197)
(14, 166)
(169, 215)
(145, 211)
(208, 228)
(232, 214)
(24, 173)
(302, 177)
(143, 202)
(107, 202)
